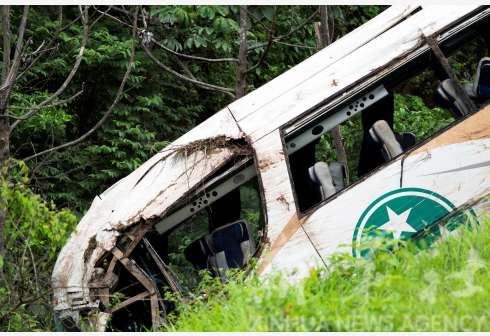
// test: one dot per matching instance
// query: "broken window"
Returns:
(214, 230)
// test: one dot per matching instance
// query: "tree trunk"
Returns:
(5, 14)
(4, 142)
(4, 155)
(324, 38)
(4, 122)
(241, 82)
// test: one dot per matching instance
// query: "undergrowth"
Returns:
(444, 288)
(34, 233)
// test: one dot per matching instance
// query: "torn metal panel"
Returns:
(146, 194)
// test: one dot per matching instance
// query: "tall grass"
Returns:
(444, 288)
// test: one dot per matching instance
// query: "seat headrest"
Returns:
(382, 133)
(338, 172)
(320, 174)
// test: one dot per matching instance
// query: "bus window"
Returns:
(377, 125)
(219, 237)
(469, 58)
(217, 229)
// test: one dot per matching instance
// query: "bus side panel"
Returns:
(449, 171)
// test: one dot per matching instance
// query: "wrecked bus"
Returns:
(247, 182)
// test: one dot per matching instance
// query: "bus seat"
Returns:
(233, 245)
(300, 162)
(447, 97)
(321, 174)
(226, 247)
(338, 172)
(478, 91)
(480, 88)
(382, 133)
(481, 85)
(406, 139)
(198, 253)
(371, 156)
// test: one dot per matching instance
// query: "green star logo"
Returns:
(400, 214)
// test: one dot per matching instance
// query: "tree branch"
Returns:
(58, 103)
(324, 38)
(300, 26)
(143, 17)
(185, 68)
(100, 16)
(257, 20)
(196, 58)
(277, 39)
(55, 36)
(204, 85)
(114, 18)
(61, 89)
(271, 33)
(110, 109)
(12, 72)
(294, 45)
(125, 12)
(241, 82)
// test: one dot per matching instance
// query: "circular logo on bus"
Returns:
(400, 214)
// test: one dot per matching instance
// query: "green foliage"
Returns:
(156, 107)
(413, 115)
(151, 113)
(444, 288)
(465, 60)
(53, 120)
(34, 234)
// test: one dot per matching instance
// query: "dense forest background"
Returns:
(89, 93)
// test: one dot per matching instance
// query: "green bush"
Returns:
(33, 235)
